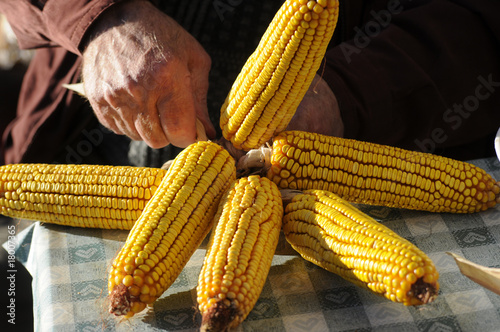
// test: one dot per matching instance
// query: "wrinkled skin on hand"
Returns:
(145, 76)
(319, 111)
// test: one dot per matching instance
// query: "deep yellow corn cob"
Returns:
(331, 233)
(276, 76)
(171, 227)
(240, 252)
(376, 174)
(110, 197)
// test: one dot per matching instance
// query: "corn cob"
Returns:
(376, 174)
(240, 252)
(336, 236)
(276, 76)
(111, 197)
(171, 227)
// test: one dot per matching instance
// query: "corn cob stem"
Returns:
(96, 196)
(333, 234)
(240, 252)
(172, 226)
(369, 173)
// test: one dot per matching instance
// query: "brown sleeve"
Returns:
(423, 78)
(49, 116)
(48, 23)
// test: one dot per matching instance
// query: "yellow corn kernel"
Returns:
(331, 233)
(172, 226)
(77, 195)
(276, 76)
(369, 173)
(240, 252)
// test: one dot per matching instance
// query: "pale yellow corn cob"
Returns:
(240, 252)
(172, 226)
(335, 235)
(77, 195)
(369, 173)
(277, 75)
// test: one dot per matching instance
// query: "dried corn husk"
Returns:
(485, 276)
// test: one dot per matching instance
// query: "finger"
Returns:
(105, 116)
(200, 68)
(123, 109)
(134, 117)
(178, 115)
(126, 124)
(178, 120)
(149, 128)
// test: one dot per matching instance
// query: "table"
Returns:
(69, 268)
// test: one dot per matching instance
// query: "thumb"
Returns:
(178, 116)
(199, 69)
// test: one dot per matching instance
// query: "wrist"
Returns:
(116, 14)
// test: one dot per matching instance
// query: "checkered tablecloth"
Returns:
(70, 265)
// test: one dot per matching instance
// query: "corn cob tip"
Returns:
(119, 300)
(423, 291)
(218, 317)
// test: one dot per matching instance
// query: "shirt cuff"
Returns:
(68, 21)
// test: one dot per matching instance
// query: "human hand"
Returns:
(146, 77)
(318, 111)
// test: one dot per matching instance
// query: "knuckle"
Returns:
(132, 88)
(155, 143)
(111, 98)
